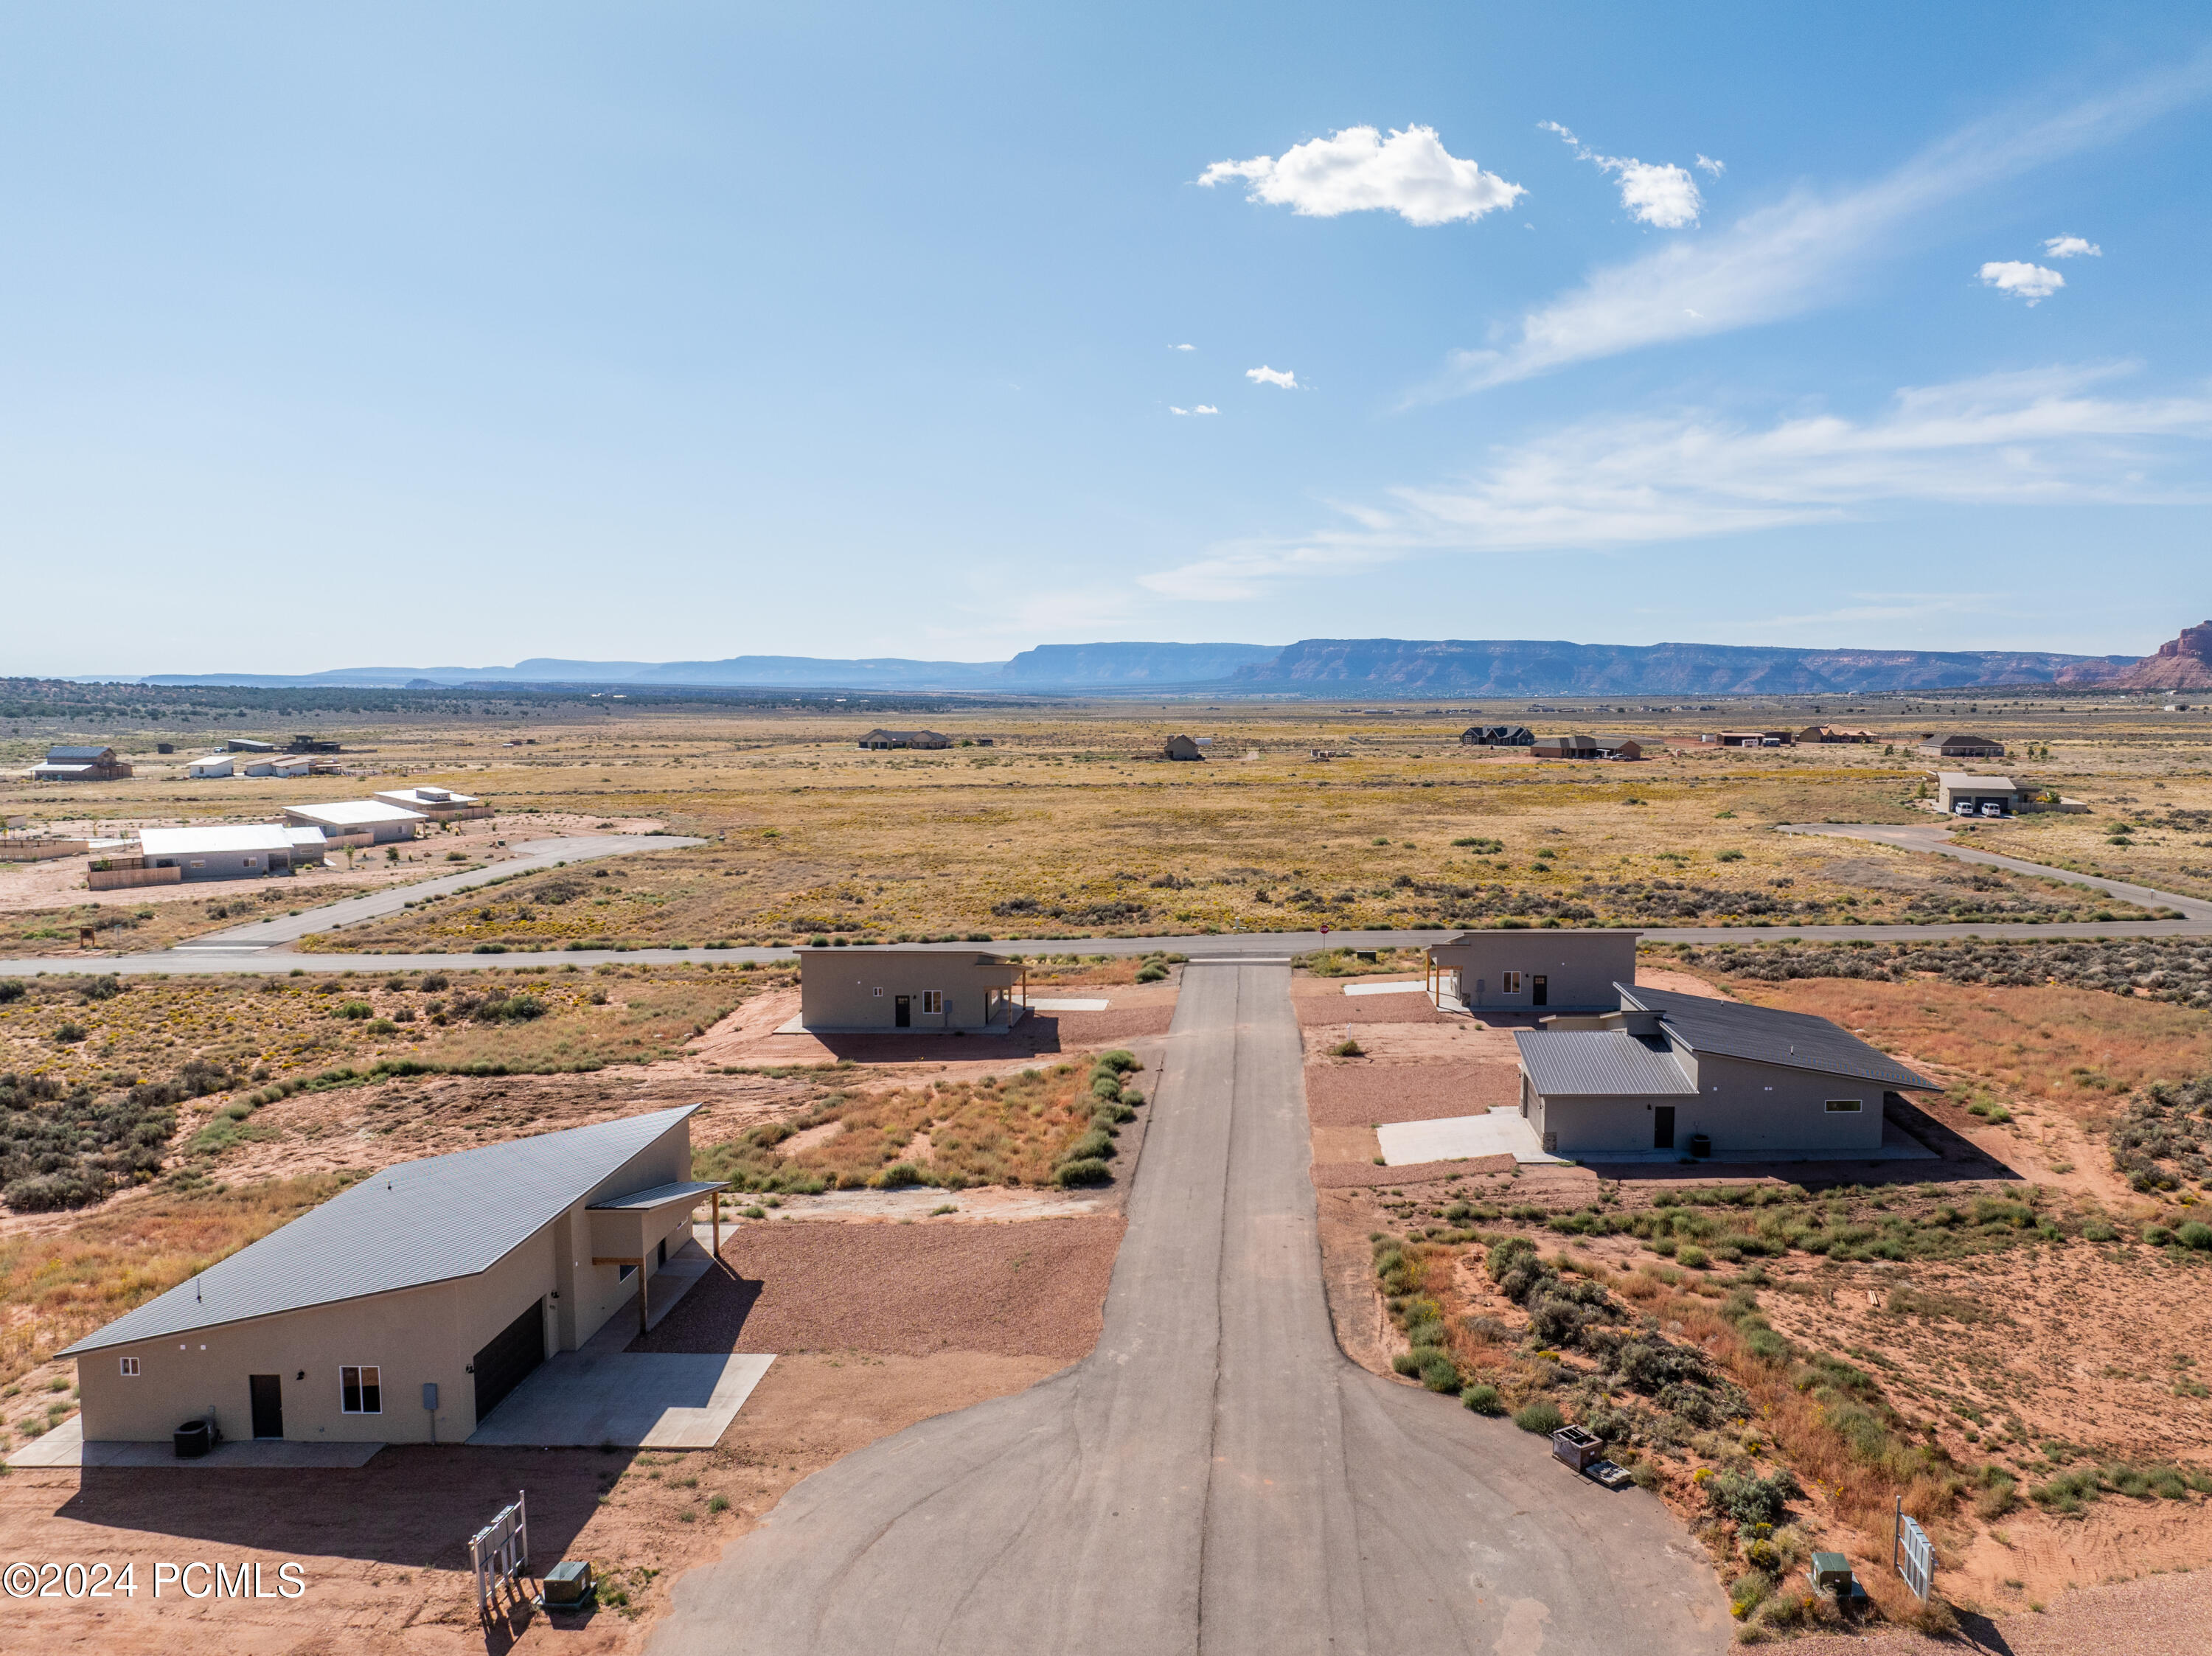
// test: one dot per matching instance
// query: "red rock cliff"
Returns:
(2181, 663)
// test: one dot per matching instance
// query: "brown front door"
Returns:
(267, 1392)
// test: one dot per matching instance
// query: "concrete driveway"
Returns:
(1216, 1476)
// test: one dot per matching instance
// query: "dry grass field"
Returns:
(1069, 823)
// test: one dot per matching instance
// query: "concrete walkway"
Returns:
(1503, 1130)
(632, 1399)
(65, 1446)
(1216, 1477)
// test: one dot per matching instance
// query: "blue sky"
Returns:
(433, 335)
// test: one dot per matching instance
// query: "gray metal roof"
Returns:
(1599, 1063)
(413, 1224)
(1764, 1035)
(65, 754)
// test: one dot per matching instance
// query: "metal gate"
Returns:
(499, 1553)
(1915, 1559)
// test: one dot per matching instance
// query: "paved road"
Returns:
(1931, 836)
(1216, 1476)
(536, 856)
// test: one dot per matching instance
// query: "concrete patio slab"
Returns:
(633, 1400)
(65, 1446)
(1386, 988)
(1503, 1131)
(1064, 1005)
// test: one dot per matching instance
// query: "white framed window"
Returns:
(879, 994)
(130, 1369)
(933, 1000)
(1509, 983)
(626, 1273)
(360, 1389)
(1845, 1106)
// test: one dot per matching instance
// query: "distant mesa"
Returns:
(2181, 663)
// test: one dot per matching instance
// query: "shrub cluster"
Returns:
(2164, 1134)
(1112, 1102)
(1401, 1270)
(2176, 969)
(68, 1150)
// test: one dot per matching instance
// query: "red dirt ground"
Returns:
(1026, 1288)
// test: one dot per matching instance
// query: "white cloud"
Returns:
(1655, 193)
(2071, 247)
(2041, 438)
(1266, 376)
(1707, 164)
(1409, 173)
(1201, 408)
(1182, 348)
(2029, 282)
(1801, 252)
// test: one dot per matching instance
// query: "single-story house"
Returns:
(212, 765)
(405, 1308)
(1752, 1080)
(906, 739)
(247, 745)
(1182, 747)
(383, 823)
(1497, 736)
(1958, 746)
(1749, 738)
(863, 991)
(1587, 747)
(1514, 969)
(309, 844)
(1957, 788)
(68, 763)
(1834, 733)
(279, 767)
(310, 744)
(439, 804)
(241, 853)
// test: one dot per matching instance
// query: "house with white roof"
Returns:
(374, 820)
(439, 804)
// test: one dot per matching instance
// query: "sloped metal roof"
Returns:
(1765, 1034)
(1599, 1063)
(660, 1196)
(78, 755)
(413, 1224)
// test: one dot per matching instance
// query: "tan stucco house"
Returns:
(864, 991)
(460, 1273)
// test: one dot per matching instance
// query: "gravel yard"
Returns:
(1356, 1094)
(1031, 1289)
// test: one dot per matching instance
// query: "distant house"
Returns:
(357, 820)
(310, 744)
(1497, 736)
(1960, 746)
(439, 804)
(279, 764)
(218, 853)
(213, 765)
(247, 745)
(79, 764)
(1665, 1071)
(1182, 747)
(1749, 738)
(1833, 733)
(906, 739)
(1587, 747)
(1524, 970)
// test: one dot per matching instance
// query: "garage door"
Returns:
(512, 1353)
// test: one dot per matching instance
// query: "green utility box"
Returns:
(568, 1584)
(1832, 1573)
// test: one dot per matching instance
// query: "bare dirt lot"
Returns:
(1032, 1288)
